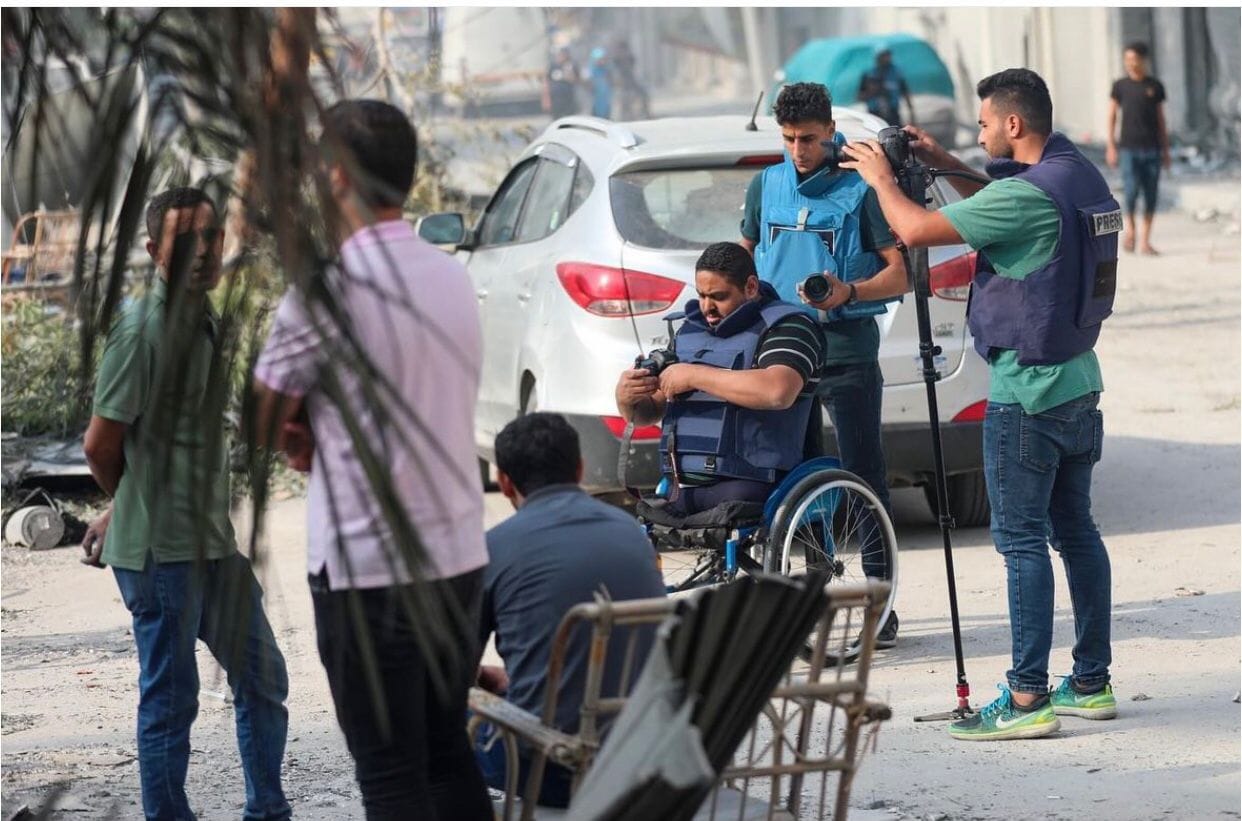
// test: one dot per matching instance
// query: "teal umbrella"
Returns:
(840, 62)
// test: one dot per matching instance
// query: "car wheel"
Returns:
(968, 499)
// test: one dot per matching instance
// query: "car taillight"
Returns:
(972, 413)
(617, 292)
(762, 159)
(951, 280)
(616, 425)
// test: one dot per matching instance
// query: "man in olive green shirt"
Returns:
(156, 444)
(1042, 430)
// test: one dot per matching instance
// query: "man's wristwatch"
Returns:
(853, 295)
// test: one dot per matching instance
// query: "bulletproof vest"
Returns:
(1055, 313)
(712, 437)
(813, 226)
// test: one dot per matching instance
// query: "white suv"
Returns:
(592, 238)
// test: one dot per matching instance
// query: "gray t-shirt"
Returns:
(556, 551)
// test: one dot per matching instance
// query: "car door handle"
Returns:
(481, 293)
(523, 297)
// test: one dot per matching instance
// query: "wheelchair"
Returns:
(819, 516)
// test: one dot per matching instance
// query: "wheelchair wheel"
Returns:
(832, 520)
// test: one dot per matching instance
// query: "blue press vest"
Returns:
(713, 437)
(1055, 313)
(814, 226)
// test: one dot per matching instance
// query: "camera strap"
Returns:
(623, 456)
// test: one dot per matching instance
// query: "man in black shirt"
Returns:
(1144, 141)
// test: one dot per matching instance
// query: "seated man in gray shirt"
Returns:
(556, 551)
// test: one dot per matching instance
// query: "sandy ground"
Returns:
(1166, 498)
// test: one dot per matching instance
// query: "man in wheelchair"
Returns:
(735, 406)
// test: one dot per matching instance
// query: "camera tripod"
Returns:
(914, 178)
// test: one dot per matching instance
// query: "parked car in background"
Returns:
(592, 238)
(840, 63)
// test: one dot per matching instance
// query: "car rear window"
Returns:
(680, 208)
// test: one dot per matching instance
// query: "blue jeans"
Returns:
(557, 780)
(853, 395)
(220, 602)
(1140, 174)
(1038, 469)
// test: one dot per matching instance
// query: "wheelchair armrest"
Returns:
(564, 749)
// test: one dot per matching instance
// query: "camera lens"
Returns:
(816, 287)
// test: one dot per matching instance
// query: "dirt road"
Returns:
(1166, 498)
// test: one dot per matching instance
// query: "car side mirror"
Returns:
(442, 229)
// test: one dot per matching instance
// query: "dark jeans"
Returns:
(412, 757)
(852, 395)
(553, 792)
(1140, 174)
(220, 602)
(694, 499)
(1038, 471)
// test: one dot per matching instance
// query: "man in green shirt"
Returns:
(156, 444)
(1049, 286)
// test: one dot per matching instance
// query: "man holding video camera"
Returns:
(806, 216)
(737, 397)
(1046, 231)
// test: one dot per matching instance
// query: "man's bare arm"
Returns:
(104, 446)
(639, 399)
(1110, 150)
(272, 410)
(889, 281)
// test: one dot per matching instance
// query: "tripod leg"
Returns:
(916, 264)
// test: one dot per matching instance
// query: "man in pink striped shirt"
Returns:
(383, 354)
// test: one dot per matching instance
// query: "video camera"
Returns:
(896, 145)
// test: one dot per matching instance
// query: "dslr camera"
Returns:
(655, 362)
(894, 141)
(896, 145)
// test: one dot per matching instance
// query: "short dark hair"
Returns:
(382, 148)
(537, 450)
(802, 103)
(728, 259)
(1138, 48)
(171, 200)
(1023, 92)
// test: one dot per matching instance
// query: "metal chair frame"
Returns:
(812, 724)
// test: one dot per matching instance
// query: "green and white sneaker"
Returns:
(1067, 701)
(1003, 720)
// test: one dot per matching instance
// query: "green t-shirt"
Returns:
(173, 498)
(847, 341)
(1018, 227)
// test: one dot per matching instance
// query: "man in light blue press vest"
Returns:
(805, 216)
